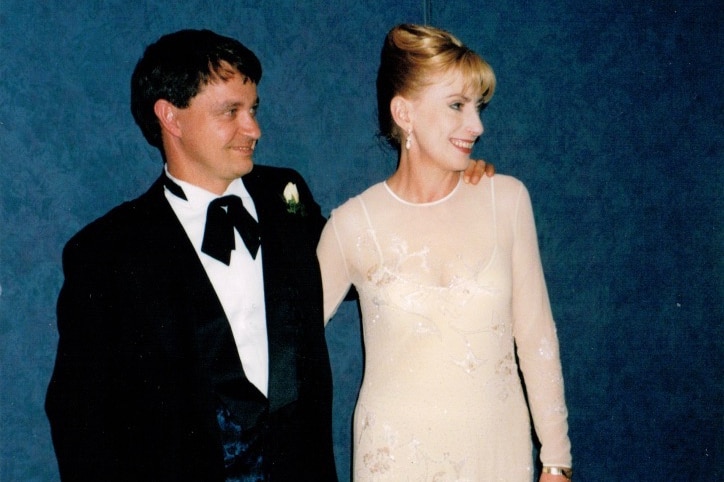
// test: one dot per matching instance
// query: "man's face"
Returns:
(217, 134)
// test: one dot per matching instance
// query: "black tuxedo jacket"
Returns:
(146, 354)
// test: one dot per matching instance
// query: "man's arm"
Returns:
(80, 389)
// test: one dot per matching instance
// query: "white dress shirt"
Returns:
(239, 286)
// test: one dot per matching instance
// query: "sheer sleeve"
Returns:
(537, 341)
(333, 264)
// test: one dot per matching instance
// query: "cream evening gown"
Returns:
(446, 289)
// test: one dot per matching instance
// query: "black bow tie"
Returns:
(223, 215)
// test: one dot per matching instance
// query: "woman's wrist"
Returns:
(566, 472)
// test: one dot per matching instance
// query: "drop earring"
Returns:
(408, 142)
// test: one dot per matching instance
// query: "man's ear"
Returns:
(400, 109)
(166, 114)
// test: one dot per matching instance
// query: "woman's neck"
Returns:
(422, 184)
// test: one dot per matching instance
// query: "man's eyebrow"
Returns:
(236, 104)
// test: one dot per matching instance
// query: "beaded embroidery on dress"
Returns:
(439, 287)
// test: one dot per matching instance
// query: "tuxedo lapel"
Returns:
(300, 379)
(196, 305)
(278, 238)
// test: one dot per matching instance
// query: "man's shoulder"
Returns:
(272, 174)
(111, 227)
(271, 181)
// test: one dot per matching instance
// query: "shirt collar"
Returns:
(198, 196)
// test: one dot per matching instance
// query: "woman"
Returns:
(445, 300)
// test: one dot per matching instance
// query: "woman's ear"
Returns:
(400, 110)
(166, 113)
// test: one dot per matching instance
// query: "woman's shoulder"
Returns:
(504, 191)
(506, 182)
(501, 186)
(371, 194)
(356, 206)
(510, 194)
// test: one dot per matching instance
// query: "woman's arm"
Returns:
(333, 265)
(537, 341)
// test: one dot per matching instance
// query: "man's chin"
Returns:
(244, 170)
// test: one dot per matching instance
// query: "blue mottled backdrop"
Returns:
(610, 111)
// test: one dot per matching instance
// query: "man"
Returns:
(187, 353)
(172, 364)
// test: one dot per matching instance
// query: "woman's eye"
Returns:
(456, 106)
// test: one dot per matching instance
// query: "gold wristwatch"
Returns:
(564, 471)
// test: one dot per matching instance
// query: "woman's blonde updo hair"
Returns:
(411, 59)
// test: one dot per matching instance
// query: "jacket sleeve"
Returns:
(83, 389)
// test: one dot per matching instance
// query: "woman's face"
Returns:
(445, 120)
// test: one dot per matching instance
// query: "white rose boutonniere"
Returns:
(291, 198)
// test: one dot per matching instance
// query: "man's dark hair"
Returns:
(177, 66)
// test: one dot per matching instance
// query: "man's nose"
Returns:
(250, 127)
